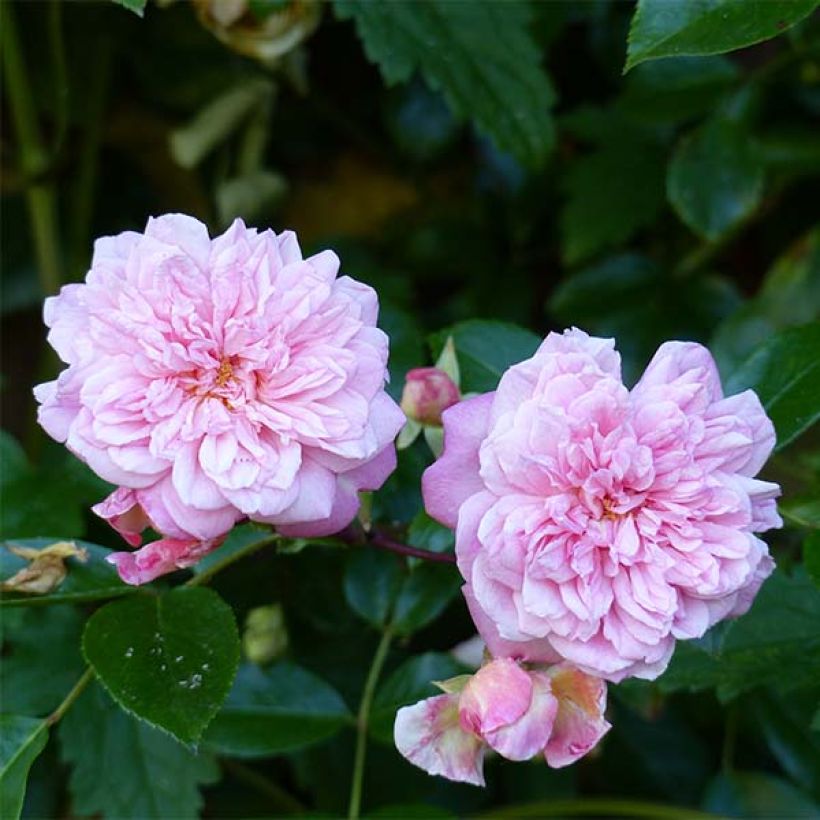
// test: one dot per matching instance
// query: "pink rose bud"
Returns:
(428, 392)
(511, 710)
(214, 380)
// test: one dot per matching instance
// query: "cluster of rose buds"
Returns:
(517, 712)
(216, 380)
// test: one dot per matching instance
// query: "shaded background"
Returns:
(677, 201)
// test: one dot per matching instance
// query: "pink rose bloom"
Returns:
(598, 524)
(518, 713)
(427, 393)
(215, 380)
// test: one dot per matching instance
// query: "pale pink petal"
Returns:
(428, 734)
(124, 513)
(451, 480)
(159, 558)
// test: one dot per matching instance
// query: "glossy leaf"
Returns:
(783, 721)
(428, 534)
(372, 581)
(411, 682)
(677, 88)
(480, 56)
(21, 740)
(137, 6)
(790, 295)
(777, 643)
(123, 768)
(275, 710)
(715, 178)
(485, 349)
(803, 511)
(785, 372)
(41, 658)
(86, 581)
(612, 193)
(169, 660)
(424, 595)
(628, 297)
(670, 28)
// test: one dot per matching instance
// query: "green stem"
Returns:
(40, 196)
(69, 699)
(205, 576)
(362, 721)
(600, 807)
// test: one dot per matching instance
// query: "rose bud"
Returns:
(428, 392)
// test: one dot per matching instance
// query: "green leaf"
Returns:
(804, 511)
(783, 721)
(411, 682)
(612, 193)
(777, 643)
(424, 595)
(485, 349)
(629, 297)
(785, 373)
(21, 740)
(715, 178)
(275, 710)
(238, 540)
(49, 499)
(671, 28)
(811, 557)
(677, 89)
(41, 659)
(428, 534)
(480, 56)
(169, 660)
(790, 295)
(123, 768)
(372, 581)
(755, 794)
(137, 6)
(89, 581)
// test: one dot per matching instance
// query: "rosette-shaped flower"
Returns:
(518, 713)
(598, 524)
(215, 380)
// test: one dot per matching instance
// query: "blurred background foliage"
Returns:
(485, 161)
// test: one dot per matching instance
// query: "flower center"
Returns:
(225, 373)
(609, 514)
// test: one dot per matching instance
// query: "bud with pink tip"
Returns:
(428, 392)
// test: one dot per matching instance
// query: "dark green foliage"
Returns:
(494, 174)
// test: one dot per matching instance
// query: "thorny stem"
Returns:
(362, 721)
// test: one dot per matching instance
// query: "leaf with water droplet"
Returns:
(168, 660)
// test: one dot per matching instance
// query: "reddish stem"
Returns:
(357, 536)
